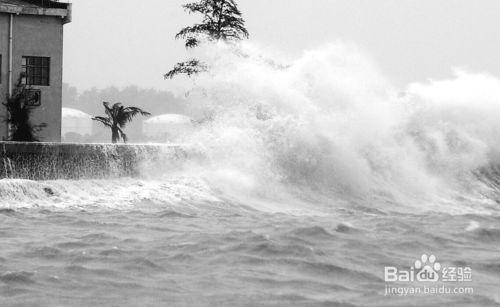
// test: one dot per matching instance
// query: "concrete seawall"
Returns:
(51, 161)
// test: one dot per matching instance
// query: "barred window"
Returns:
(37, 70)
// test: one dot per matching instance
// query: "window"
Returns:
(37, 70)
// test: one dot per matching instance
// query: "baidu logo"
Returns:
(430, 277)
(428, 269)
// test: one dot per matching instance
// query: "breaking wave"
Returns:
(327, 127)
(332, 123)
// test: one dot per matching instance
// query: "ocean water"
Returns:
(193, 247)
(308, 180)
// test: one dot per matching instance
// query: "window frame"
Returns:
(36, 70)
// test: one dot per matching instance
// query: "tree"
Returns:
(221, 21)
(189, 68)
(19, 107)
(117, 118)
(69, 95)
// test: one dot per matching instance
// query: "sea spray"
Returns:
(331, 121)
(327, 127)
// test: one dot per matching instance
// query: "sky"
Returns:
(123, 42)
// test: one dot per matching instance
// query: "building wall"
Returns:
(35, 36)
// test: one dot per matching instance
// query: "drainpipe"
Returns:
(11, 27)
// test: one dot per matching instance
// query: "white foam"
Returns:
(473, 225)
(331, 120)
(123, 193)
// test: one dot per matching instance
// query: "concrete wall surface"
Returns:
(52, 161)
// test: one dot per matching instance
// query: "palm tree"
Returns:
(118, 117)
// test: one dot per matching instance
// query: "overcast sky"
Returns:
(123, 42)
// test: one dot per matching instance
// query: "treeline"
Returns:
(90, 101)
(154, 101)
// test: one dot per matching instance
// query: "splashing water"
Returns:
(331, 122)
(302, 181)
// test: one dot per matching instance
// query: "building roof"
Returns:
(68, 112)
(37, 3)
(37, 7)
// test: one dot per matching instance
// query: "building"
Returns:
(167, 127)
(31, 42)
(76, 125)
